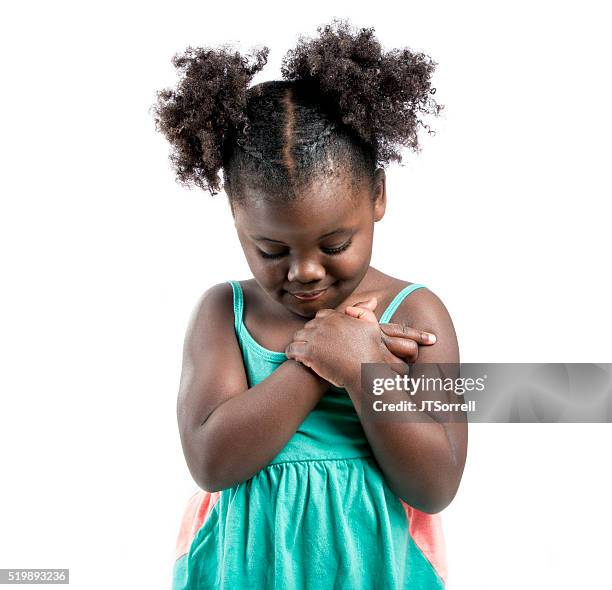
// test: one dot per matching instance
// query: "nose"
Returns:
(305, 271)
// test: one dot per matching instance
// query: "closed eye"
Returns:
(334, 251)
(266, 255)
(329, 251)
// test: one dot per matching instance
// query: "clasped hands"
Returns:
(334, 344)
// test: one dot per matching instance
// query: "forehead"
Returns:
(326, 204)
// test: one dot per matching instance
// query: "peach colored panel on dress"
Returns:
(426, 532)
(195, 514)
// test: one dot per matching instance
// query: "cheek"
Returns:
(348, 267)
(353, 261)
(259, 267)
(267, 273)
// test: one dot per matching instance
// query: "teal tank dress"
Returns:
(320, 516)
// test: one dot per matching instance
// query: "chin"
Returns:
(301, 312)
(306, 314)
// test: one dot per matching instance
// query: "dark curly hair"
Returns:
(344, 103)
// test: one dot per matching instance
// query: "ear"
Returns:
(379, 194)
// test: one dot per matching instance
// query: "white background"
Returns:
(503, 215)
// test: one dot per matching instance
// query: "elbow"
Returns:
(206, 477)
(217, 471)
(433, 497)
(214, 475)
(432, 503)
(439, 486)
(435, 503)
(203, 460)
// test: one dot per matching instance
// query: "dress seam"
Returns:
(426, 558)
(320, 460)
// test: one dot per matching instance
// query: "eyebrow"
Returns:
(329, 233)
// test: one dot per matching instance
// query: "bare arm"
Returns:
(422, 460)
(228, 431)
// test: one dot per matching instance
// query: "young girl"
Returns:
(297, 489)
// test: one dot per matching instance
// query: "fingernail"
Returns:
(431, 337)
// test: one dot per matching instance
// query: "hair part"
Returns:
(291, 139)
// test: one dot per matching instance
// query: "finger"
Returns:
(301, 335)
(361, 314)
(370, 303)
(401, 347)
(321, 313)
(296, 351)
(404, 331)
(363, 310)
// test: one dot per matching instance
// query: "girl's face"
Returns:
(319, 243)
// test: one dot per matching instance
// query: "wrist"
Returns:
(378, 355)
(352, 382)
(322, 385)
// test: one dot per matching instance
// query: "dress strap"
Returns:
(397, 300)
(238, 305)
(247, 342)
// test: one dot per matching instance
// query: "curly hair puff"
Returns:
(209, 101)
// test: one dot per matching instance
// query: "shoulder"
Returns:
(421, 303)
(219, 297)
(213, 308)
(424, 309)
(208, 343)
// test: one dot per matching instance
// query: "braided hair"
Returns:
(343, 104)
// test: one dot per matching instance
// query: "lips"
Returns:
(308, 295)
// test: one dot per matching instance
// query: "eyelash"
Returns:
(329, 251)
